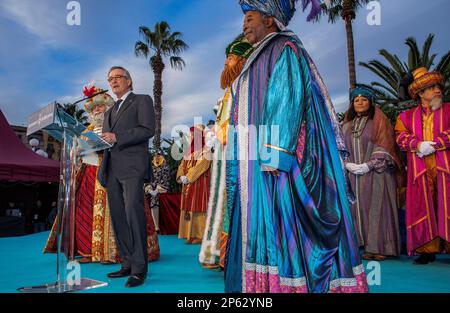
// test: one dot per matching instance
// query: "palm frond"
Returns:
(391, 75)
(175, 35)
(149, 37)
(382, 71)
(173, 47)
(414, 57)
(357, 4)
(394, 61)
(426, 51)
(333, 13)
(162, 29)
(444, 65)
(391, 92)
(162, 41)
(430, 61)
(141, 49)
(177, 63)
(336, 8)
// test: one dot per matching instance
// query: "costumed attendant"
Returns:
(291, 228)
(374, 165)
(193, 173)
(159, 185)
(423, 133)
(212, 253)
(94, 238)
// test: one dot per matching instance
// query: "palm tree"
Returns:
(392, 72)
(73, 110)
(346, 9)
(159, 43)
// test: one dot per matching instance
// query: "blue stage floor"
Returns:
(23, 264)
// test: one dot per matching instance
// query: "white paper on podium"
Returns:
(91, 142)
(90, 159)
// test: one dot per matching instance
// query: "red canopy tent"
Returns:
(19, 163)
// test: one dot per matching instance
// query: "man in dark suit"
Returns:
(128, 125)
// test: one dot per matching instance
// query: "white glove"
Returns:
(358, 169)
(210, 141)
(362, 169)
(161, 189)
(426, 148)
(148, 189)
(351, 167)
(184, 180)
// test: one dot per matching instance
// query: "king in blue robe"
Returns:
(291, 229)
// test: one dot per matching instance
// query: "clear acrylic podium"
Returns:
(67, 130)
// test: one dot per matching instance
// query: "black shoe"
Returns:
(135, 280)
(425, 258)
(123, 272)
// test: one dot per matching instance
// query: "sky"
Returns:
(43, 59)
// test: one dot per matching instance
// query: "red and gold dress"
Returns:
(194, 196)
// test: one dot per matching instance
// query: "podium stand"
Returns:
(67, 130)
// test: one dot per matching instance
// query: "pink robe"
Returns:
(424, 221)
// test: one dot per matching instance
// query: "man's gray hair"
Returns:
(127, 74)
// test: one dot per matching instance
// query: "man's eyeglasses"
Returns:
(110, 79)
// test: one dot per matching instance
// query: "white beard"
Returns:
(97, 119)
(436, 103)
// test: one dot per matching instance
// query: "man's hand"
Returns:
(109, 137)
(271, 170)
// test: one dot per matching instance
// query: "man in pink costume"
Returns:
(423, 132)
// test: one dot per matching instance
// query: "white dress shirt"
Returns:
(123, 98)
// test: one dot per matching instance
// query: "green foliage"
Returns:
(392, 70)
(162, 42)
(340, 8)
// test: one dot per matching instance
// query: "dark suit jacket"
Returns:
(134, 126)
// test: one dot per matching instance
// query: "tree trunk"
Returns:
(158, 68)
(351, 51)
